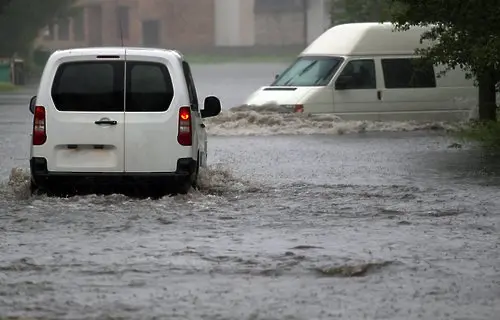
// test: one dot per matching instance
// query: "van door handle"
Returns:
(110, 122)
(379, 94)
(202, 125)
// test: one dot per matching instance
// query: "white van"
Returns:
(366, 71)
(126, 117)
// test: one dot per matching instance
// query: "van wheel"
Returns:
(33, 188)
(194, 176)
(184, 186)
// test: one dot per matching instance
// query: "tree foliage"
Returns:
(346, 11)
(4, 4)
(21, 21)
(465, 33)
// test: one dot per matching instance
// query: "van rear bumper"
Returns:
(76, 180)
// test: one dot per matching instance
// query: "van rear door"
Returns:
(85, 114)
(151, 119)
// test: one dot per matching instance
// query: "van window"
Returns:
(193, 97)
(408, 73)
(90, 86)
(362, 73)
(149, 87)
(309, 72)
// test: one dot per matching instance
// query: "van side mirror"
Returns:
(211, 107)
(33, 104)
(276, 76)
(343, 82)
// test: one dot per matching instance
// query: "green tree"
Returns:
(4, 4)
(346, 11)
(465, 33)
(21, 21)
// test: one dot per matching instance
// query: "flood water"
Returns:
(296, 218)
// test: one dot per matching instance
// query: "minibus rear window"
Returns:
(309, 72)
(89, 86)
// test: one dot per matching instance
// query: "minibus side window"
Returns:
(360, 74)
(403, 73)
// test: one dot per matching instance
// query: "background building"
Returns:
(191, 25)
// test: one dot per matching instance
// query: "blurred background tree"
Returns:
(345, 11)
(22, 20)
(466, 34)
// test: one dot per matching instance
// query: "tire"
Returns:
(195, 175)
(184, 186)
(191, 181)
(38, 190)
(158, 192)
(34, 190)
(50, 190)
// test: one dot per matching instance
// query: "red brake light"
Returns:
(298, 108)
(39, 129)
(184, 135)
(184, 115)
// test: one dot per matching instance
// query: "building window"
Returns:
(408, 73)
(63, 29)
(79, 25)
(123, 21)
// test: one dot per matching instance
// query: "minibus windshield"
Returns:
(309, 72)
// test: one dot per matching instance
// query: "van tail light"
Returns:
(298, 108)
(39, 128)
(185, 130)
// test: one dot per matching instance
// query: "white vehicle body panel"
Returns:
(151, 137)
(453, 98)
(78, 128)
(139, 142)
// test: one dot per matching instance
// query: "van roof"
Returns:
(114, 50)
(366, 38)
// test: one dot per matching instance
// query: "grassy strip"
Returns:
(213, 59)
(7, 87)
(486, 134)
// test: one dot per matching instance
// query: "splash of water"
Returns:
(18, 185)
(220, 179)
(216, 179)
(276, 120)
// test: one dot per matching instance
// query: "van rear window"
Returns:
(90, 86)
(149, 87)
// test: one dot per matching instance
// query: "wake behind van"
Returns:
(369, 71)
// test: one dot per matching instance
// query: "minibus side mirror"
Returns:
(33, 104)
(211, 107)
(276, 76)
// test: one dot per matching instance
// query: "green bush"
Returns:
(7, 87)
(485, 133)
